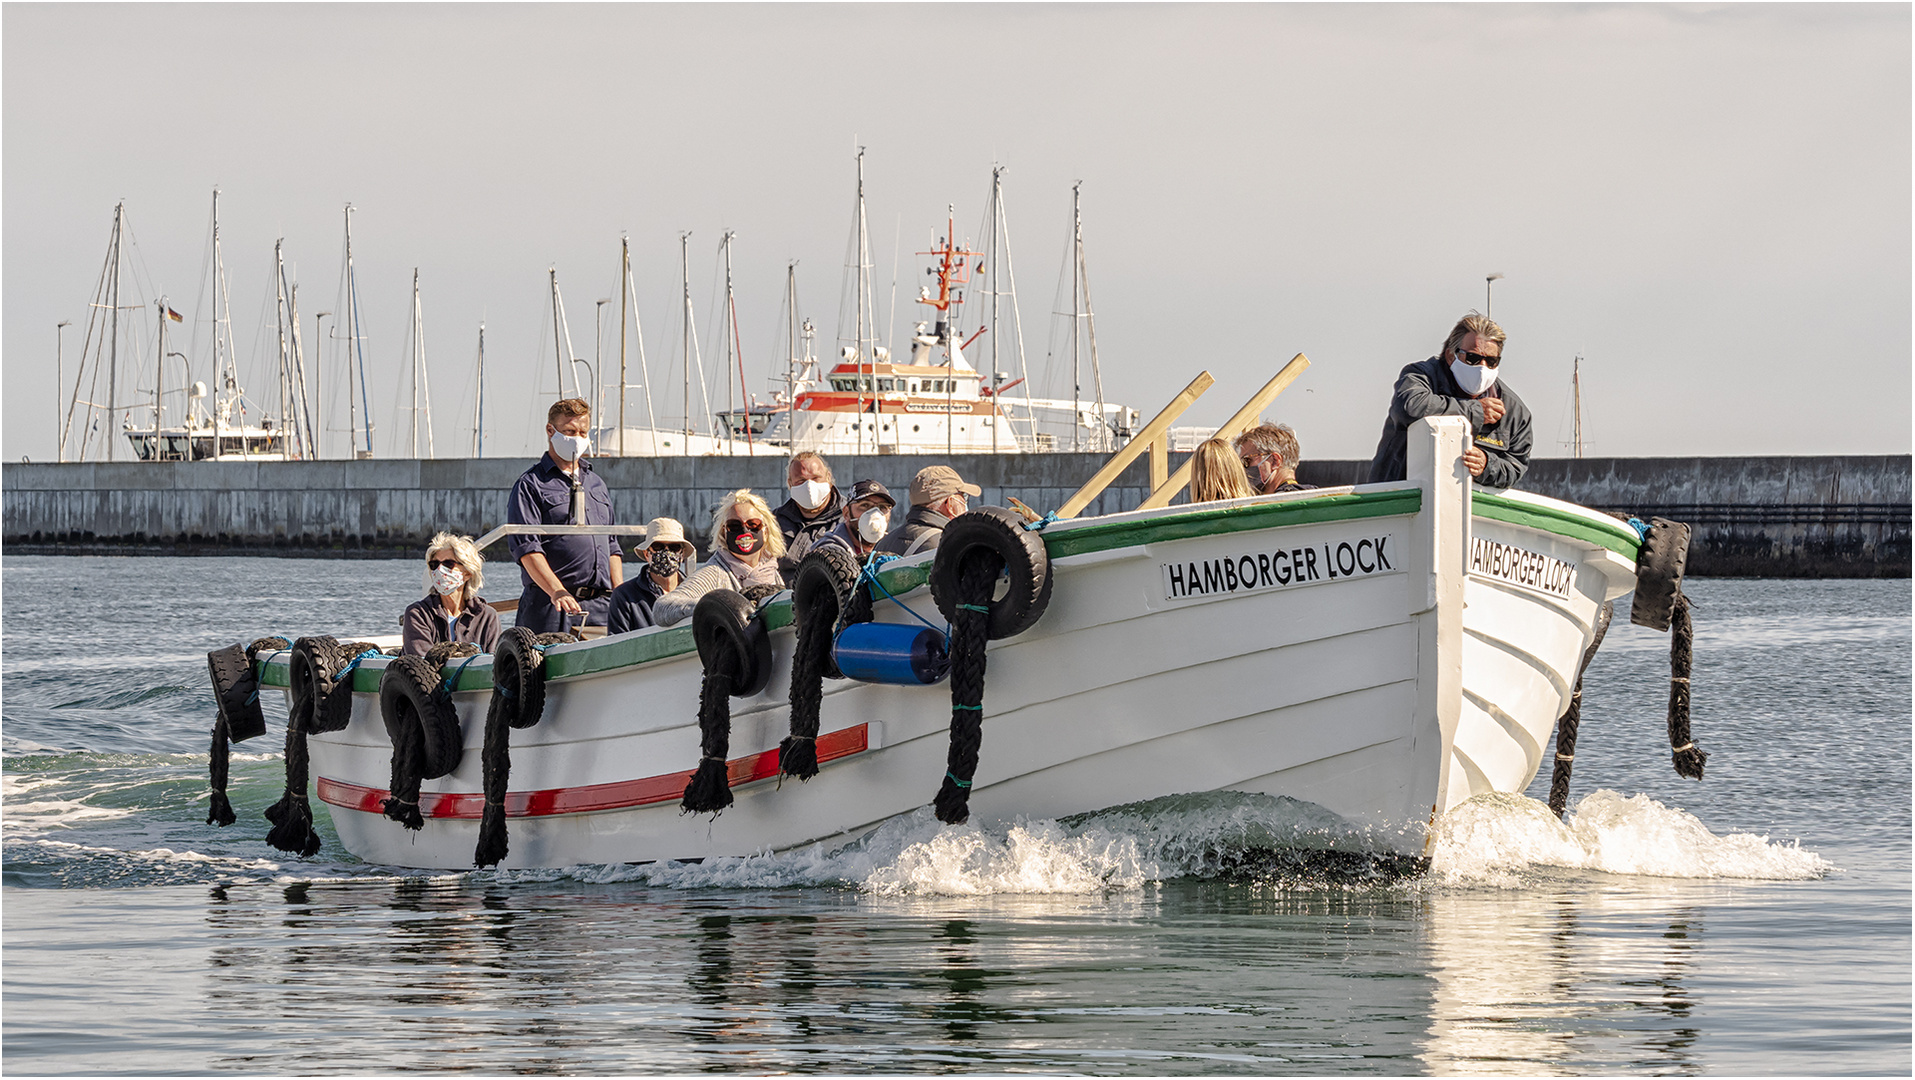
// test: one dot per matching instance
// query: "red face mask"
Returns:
(744, 537)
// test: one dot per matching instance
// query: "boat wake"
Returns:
(1503, 839)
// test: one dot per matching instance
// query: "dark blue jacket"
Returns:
(1427, 388)
(632, 603)
(543, 496)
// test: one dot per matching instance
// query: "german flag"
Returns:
(174, 315)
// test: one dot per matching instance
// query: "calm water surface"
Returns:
(1757, 922)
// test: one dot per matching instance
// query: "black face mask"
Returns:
(664, 562)
(742, 539)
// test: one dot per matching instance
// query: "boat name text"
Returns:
(1256, 571)
(1491, 559)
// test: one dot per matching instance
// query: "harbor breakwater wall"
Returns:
(1752, 516)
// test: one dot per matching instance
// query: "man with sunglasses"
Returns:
(1462, 380)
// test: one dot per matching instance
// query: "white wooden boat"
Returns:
(1386, 651)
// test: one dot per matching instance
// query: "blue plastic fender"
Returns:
(896, 653)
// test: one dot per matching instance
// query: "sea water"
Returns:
(1755, 922)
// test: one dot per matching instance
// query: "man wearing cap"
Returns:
(937, 495)
(864, 521)
(564, 576)
(664, 553)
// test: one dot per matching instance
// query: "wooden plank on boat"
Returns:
(1158, 428)
(1246, 417)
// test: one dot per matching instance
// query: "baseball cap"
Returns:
(935, 483)
(871, 489)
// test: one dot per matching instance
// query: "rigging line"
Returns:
(644, 369)
(1017, 318)
(891, 328)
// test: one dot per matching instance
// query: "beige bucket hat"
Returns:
(664, 530)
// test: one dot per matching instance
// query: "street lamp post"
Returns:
(319, 406)
(59, 385)
(1486, 286)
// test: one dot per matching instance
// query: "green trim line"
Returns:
(1351, 506)
(1618, 538)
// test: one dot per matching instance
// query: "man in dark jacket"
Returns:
(1463, 381)
(564, 577)
(937, 495)
(812, 510)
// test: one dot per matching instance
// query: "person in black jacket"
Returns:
(1462, 380)
(811, 511)
(663, 556)
(452, 609)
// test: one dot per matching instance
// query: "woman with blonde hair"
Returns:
(1215, 473)
(745, 546)
(452, 609)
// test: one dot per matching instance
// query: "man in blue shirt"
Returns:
(564, 576)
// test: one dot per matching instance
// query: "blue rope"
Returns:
(257, 675)
(955, 780)
(354, 663)
(447, 686)
(1642, 529)
(1038, 525)
(870, 571)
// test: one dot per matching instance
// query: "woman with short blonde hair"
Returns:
(452, 609)
(745, 546)
(1215, 473)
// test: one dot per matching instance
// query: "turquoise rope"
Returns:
(955, 780)
(870, 572)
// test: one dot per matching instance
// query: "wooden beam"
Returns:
(1151, 432)
(1244, 420)
(1159, 461)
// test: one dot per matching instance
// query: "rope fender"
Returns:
(823, 590)
(1660, 605)
(1572, 717)
(319, 672)
(735, 651)
(977, 574)
(518, 701)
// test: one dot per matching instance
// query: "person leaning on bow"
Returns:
(810, 512)
(864, 520)
(662, 557)
(937, 495)
(745, 546)
(564, 576)
(452, 610)
(1461, 380)
(1215, 473)
(1270, 457)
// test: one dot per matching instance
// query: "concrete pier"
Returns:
(1768, 516)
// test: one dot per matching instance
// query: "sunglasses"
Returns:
(754, 524)
(443, 564)
(1479, 360)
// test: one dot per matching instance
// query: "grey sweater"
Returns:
(724, 571)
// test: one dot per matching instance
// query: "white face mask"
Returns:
(569, 447)
(872, 524)
(447, 580)
(1473, 378)
(811, 494)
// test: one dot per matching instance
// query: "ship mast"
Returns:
(1576, 387)
(860, 353)
(685, 275)
(478, 403)
(562, 338)
(355, 358)
(736, 352)
(630, 296)
(624, 308)
(421, 379)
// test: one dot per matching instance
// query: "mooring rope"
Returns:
(970, 629)
(1572, 718)
(709, 790)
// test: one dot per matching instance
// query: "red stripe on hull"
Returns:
(619, 795)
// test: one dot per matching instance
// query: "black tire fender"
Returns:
(518, 675)
(236, 690)
(997, 532)
(408, 694)
(1659, 566)
(321, 700)
(827, 575)
(724, 619)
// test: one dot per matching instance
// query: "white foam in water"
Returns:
(1121, 848)
(1493, 838)
(40, 815)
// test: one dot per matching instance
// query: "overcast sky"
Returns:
(1710, 203)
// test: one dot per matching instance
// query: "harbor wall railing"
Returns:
(1832, 516)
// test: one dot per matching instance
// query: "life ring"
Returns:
(408, 695)
(518, 677)
(725, 620)
(236, 691)
(321, 700)
(1000, 533)
(826, 580)
(1659, 565)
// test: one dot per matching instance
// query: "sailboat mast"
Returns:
(159, 380)
(997, 191)
(685, 275)
(624, 290)
(421, 376)
(285, 349)
(1090, 330)
(1077, 326)
(562, 338)
(355, 356)
(1576, 386)
(644, 366)
(113, 339)
(309, 440)
(858, 360)
(791, 358)
(737, 347)
(478, 404)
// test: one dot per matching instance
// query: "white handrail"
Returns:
(557, 530)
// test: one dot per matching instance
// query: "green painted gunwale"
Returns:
(1083, 540)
